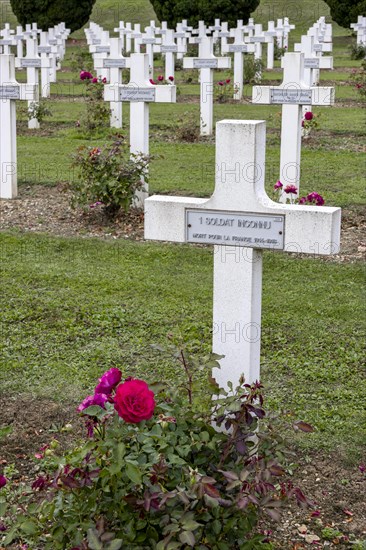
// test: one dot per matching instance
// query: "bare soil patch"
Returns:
(42, 209)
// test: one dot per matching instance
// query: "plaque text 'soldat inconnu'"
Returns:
(230, 228)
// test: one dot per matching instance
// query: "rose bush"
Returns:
(158, 471)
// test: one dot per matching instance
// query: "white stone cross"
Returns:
(270, 33)
(242, 220)
(169, 48)
(140, 92)
(10, 91)
(224, 34)
(312, 62)
(287, 27)
(47, 71)
(114, 63)
(280, 32)
(19, 37)
(181, 36)
(360, 28)
(122, 31)
(239, 48)
(206, 62)
(136, 35)
(149, 40)
(32, 62)
(128, 37)
(292, 94)
(7, 40)
(100, 52)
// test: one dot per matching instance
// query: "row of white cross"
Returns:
(294, 93)
(239, 218)
(44, 53)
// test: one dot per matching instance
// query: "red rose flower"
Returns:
(134, 401)
(309, 115)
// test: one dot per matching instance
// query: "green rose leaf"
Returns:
(133, 472)
(187, 537)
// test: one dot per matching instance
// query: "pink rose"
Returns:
(152, 81)
(104, 80)
(96, 399)
(278, 185)
(3, 481)
(220, 83)
(95, 80)
(228, 80)
(309, 115)
(108, 381)
(290, 189)
(171, 78)
(160, 78)
(134, 401)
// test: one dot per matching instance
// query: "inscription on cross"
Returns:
(292, 94)
(241, 220)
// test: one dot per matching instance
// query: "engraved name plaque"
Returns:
(238, 48)
(235, 229)
(205, 63)
(137, 94)
(311, 62)
(30, 63)
(114, 63)
(291, 95)
(9, 92)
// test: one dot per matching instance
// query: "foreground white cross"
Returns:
(206, 62)
(241, 219)
(140, 92)
(292, 94)
(10, 91)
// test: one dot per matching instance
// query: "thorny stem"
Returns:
(189, 375)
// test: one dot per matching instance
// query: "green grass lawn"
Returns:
(72, 308)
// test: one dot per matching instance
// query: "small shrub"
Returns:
(358, 51)
(188, 128)
(109, 176)
(81, 58)
(97, 113)
(224, 91)
(39, 110)
(358, 79)
(278, 52)
(252, 69)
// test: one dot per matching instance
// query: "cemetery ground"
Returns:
(81, 294)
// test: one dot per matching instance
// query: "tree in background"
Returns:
(345, 12)
(173, 11)
(47, 13)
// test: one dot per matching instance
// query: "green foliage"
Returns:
(97, 112)
(39, 110)
(188, 128)
(358, 79)
(47, 13)
(252, 69)
(108, 175)
(358, 51)
(345, 12)
(174, 11)
(170, 482)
